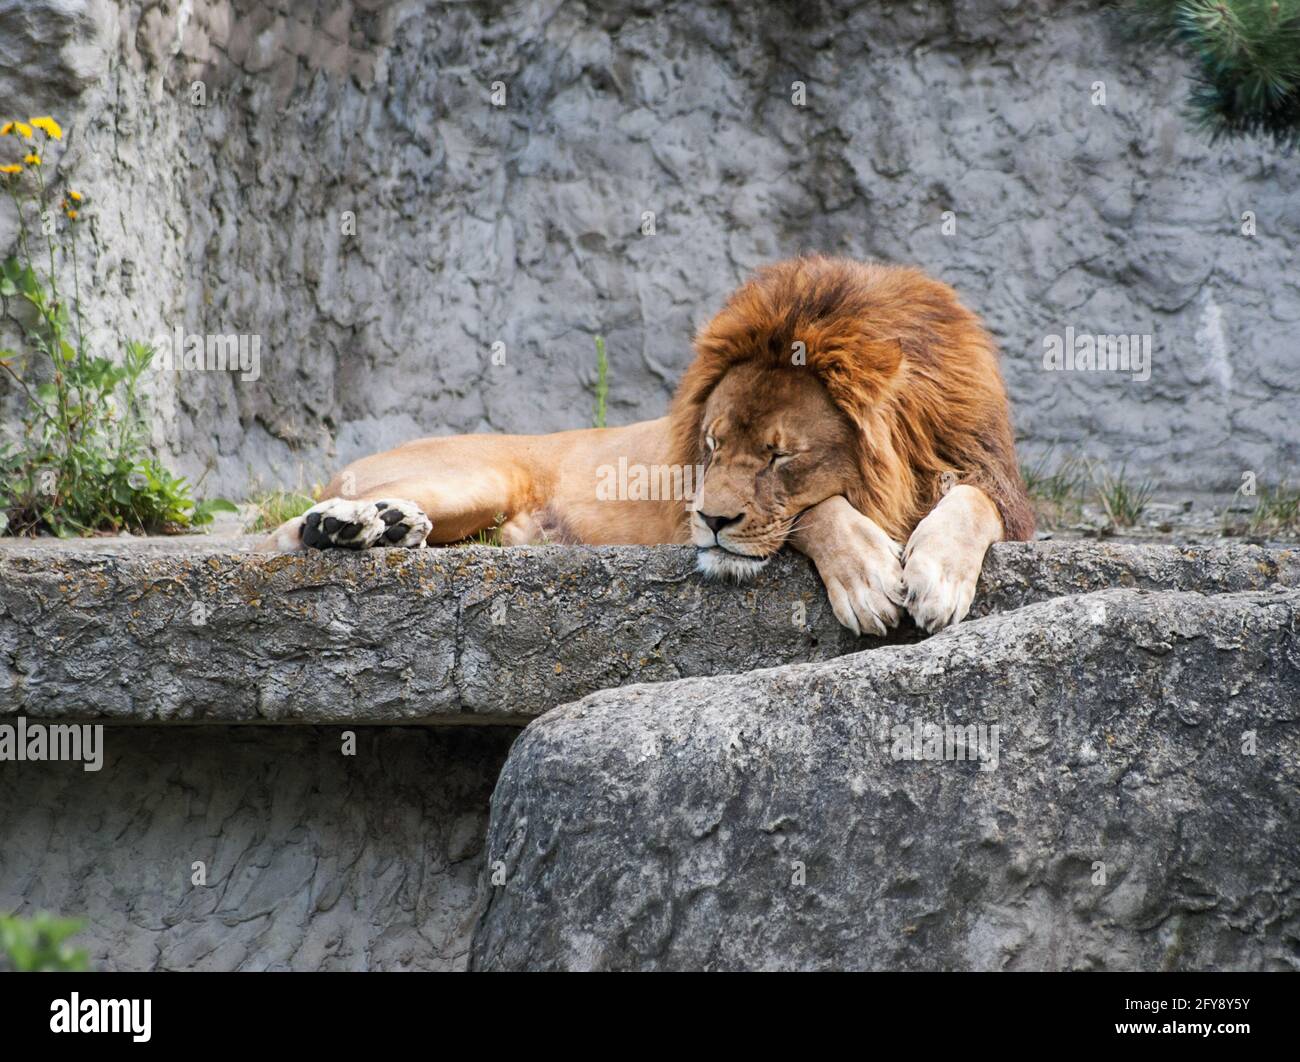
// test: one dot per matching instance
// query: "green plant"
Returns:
(1276, 511)
(82, 463)
(602, 381)
(39, 943)
(274, 507)
(1123, 500)
(1247, 58)
(489, 536)
(1061, 486)
(1056, 491)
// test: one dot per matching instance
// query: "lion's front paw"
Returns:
(940, 583)
(942, 562)
(343, 524)
(863, 578)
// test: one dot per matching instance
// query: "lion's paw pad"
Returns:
(342, 524)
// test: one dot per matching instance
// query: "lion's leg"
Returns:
(409, 512)
(435, 491)
(943, 558)
(858, 564)
(529, 485)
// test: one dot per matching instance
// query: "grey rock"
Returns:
(522, 224)
(313, 860)
(187, 631)
(1023, 573)
(51, 51)
(1142, 811)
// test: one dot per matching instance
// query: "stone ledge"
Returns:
(187, 631)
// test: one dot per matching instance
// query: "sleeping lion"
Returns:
(854, 411)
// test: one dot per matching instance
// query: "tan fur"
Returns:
(466, 483)
(831, 404)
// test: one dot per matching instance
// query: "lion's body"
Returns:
(866, 383)
(542, 487)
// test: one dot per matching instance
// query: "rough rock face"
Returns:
(186, 631)
(751, 820)
(522, 225)
(314, 860)
(1138, 808)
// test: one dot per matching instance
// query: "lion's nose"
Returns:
(717, 523)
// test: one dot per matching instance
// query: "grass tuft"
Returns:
(602, 381)
(1276, 512)
(1123, 500)
(1056, 491)
(274, 507)
(489, 536)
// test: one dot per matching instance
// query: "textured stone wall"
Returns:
(521, 225)
(314, 860)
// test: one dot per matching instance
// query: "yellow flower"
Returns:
(6, 129)
(32, 160)
(75, 195)
(72, 215)
(49, 127)
(24, 130)
(12, 168)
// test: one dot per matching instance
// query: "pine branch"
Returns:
(1247, 59)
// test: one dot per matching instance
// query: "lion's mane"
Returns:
(909, 365)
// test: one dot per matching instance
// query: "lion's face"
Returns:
(774, 445)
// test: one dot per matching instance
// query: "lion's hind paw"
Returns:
(341, 524)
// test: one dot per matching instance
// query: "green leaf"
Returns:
(206, 509)
(39, 943)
